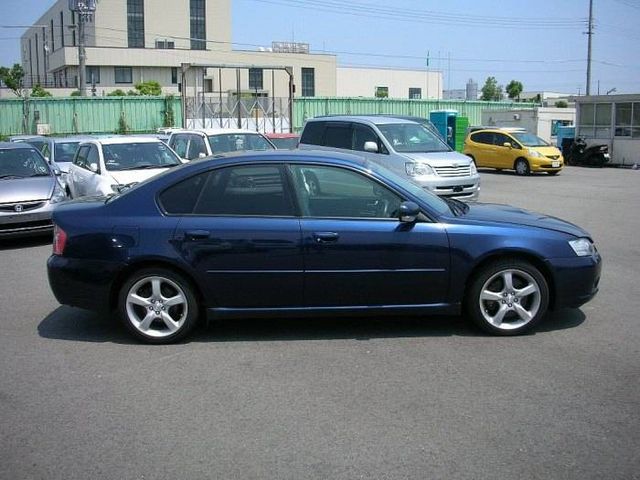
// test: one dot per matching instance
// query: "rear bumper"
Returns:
(82, 283)
(576, 280)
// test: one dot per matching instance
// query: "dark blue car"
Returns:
(301, 234)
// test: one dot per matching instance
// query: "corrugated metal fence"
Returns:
(89, 115)
(304, 108)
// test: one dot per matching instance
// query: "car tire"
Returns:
(522, 167)
(507, 297)
(158, 306)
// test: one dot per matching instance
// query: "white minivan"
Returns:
(403, 146)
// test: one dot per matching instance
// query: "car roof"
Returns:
(374, 119)
(72, 138)
(498, 129)
(281, 135)
(123, 139)
(16, 145)
(285, 156)
(217, 131)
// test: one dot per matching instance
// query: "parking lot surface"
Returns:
(379, 398)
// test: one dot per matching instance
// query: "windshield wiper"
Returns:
(4, 177)
(145, 167)
(457, 207)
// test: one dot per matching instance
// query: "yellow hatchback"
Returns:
(512, 150)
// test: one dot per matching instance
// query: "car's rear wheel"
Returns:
(522, 167)
(507, 297)
(158, 305)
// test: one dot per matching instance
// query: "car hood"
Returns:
(546, 151)
(488, 212)
(438, 158)
(135, 176)
(26, 189)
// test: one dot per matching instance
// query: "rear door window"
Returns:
(338, 135)
(483, 137)
(180, 199)
(313, 133)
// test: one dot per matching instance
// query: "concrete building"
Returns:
(613, 120)
(388, 83)
(541, 121)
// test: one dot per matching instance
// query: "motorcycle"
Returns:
(593, 155)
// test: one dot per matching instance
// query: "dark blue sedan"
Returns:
(302, 234)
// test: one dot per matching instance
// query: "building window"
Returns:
(382, 92)
(165, 45)
(255, 79)
(135, 23)
(62, 29)
(123, 75)
(208, 85)
(198, 25)
(595, 120)
(174, 75)
(93, 74)
(623, 119)
(53, 40)
(73, 32)
(308, 82)
(415, 93)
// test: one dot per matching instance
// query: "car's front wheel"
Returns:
(158, 306)
(507, 297)
(522, 167)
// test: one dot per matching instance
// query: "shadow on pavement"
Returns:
(66, 323)
(25, 242)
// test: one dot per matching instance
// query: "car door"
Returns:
(484, 149)
(243, 237)
(197, 147)
(97, 182)
(505, 156)
(357, 252)
(180, 143)
(78, 172)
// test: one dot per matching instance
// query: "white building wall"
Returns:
(362, 82)
(538, 121)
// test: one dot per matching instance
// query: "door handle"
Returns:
(196, 234)
(325, 237)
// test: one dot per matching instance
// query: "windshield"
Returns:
(235, 142)
(22, 163)
(433, 201)
(412, 137)
(290, 143)
(530, 140)
(64, 152)
(133, 156)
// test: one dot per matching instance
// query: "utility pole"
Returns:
(84, 9)
(589, 36)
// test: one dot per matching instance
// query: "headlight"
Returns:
(535, 154)
(472, 168)
(59, 195)
(583, 247)
(418, 169)
(116, 188)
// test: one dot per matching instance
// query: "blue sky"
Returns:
(539, 42)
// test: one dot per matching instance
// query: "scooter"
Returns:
(593, 155)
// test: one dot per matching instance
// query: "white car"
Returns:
(193, 144)
(109, 165)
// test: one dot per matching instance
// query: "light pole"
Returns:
(589, 37)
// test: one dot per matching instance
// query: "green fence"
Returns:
(308, 107)
(89, 115)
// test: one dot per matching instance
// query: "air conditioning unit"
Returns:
(165, 44)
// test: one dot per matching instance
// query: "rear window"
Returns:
(312, 134)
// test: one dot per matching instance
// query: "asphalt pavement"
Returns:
(372, 398)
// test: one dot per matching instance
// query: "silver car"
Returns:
(405, 147)
(29, 190)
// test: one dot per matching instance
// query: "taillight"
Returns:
(59, 240)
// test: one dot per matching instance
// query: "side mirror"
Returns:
(202, 155)
(408, 212)
(93, 167)
(57, 171)
(371, 147)
(507, 144)
(47, 159)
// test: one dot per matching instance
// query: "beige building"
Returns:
(130, 41)
(386, 82)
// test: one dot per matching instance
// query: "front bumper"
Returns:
(462, 188)
(576, 280)
(34, 221)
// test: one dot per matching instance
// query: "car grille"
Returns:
(553, 157)
(451, 171)
(25, 226)
(26, 206)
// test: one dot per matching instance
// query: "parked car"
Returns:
(193, 144)
(284, 141)
(243, 236)
(512, 150)
(108, 165)
(403, 146)
(28, 191)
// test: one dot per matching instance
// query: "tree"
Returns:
(38, 91)
(561, 104)
(13, 78)
(514, 89)
(491, 91)
(150, 87)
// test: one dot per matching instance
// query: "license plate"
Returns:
(555, 164)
